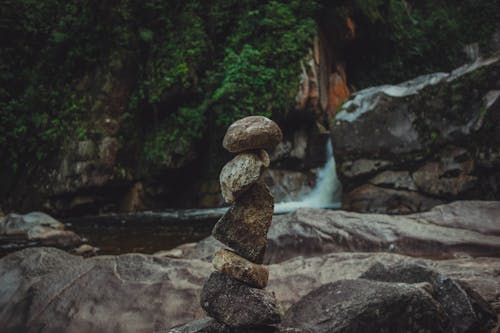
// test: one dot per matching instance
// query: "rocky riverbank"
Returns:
(47, 290)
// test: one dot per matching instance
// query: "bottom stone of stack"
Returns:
(240, 269)
(210, 325)
(238, 305)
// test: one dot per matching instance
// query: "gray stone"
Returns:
(238, 305)
(240, 269)
(367, 306)
(249, 133)
(240, 173)
(456, 302)
(210, 325)
(395, 180)
(244, 226)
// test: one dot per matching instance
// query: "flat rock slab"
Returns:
(367, 306)
(249, 133)
(143, 293)
(240, 269)
(244, 226)
(238, 305)
(447, 231)
(242, 172)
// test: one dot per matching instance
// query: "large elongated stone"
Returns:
(240, 269)
(254, 132)
(242, 172)
(238, 305)
(244, 226)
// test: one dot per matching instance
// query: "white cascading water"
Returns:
(326, 193)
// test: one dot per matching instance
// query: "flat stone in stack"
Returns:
(244, 226)
(240, 269)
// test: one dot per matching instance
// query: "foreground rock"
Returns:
(254, 132)
(244, 227)
(367, 306)
(466, 311)
(38, 227)
(447, 231)
(237, 304)
(143, 293)
(439, 131)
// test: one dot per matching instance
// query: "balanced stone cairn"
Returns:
(234, 294)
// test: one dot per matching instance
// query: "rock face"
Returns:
(240, 269)
(367, 306)
(465, 314)
(237, 304)
(242, 172)
(254, 132)
(411, 146)
(244, 226)
(38, 227)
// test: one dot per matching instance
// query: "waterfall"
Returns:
(325, 194)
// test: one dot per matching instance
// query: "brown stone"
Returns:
(244, 226)
(240, 173)
(238, 305)
(240, 269)
(254, 132)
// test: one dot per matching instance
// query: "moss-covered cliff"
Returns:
(97, 95)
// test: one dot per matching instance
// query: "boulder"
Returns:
(249, 133)
(244, 226)
(455, 300)
(242, 172)
(441, 129)
(238, 305)
(240, 269)
(367, 306)
(38, 227)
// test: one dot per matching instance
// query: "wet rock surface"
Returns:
(240, 269)
(367, 306)
(254, 132)
(237, 304)
(244, 226)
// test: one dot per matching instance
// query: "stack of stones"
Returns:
(234, 294)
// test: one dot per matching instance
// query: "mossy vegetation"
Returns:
(196, 66)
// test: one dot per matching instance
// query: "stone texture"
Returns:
(461, 228)
(240, 269)
(442, 129)
(238, 305)
(244, 226)
(240, 173)
(395, 179)
(455, 300)
(375, 199)
(254, 132)
(287, 185)
(367, 306)
(41, 286)
(38, 227)
(210, 325)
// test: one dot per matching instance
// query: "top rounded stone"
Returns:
(254, 132)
